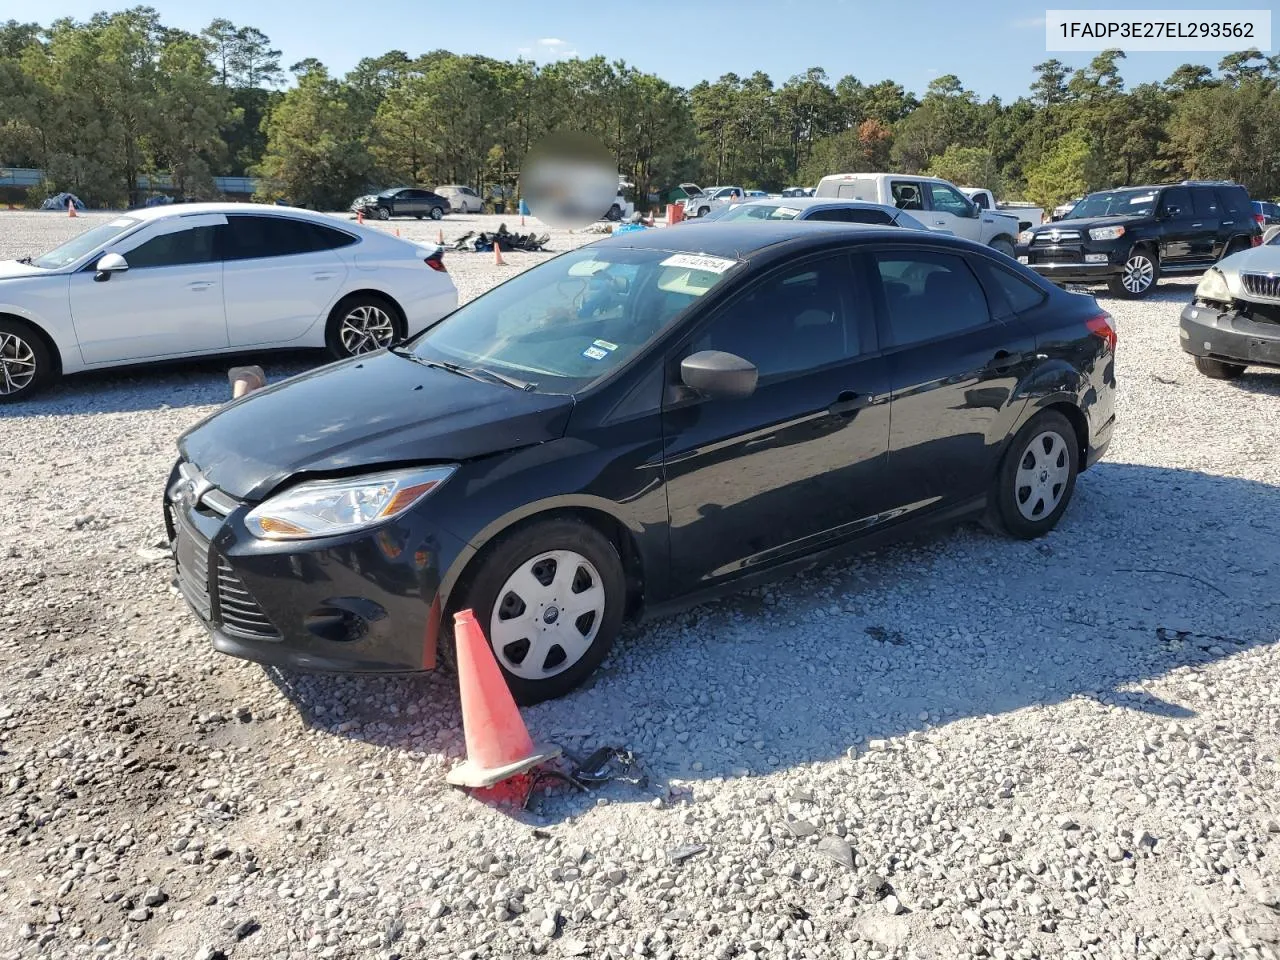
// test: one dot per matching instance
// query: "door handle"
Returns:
(1197, 224)
(1225, 223)
(199, 285)
(939, 223)
(1004, 360)
(847, 404)
(322, 276)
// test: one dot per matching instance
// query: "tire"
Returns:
(376, 316)
(535, 554)
(437, 213)
(26, 366)
(703, 211)
(1218, 369)
(1140, 276)
(1003, 245)
(384, 213)
(1042, 463)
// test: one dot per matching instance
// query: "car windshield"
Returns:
(761, 211)
(75, 248)
(1115, 203)
(564, 324)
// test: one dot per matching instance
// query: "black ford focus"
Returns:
(631, 426)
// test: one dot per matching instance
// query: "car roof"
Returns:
(744, 239)
(226, 206)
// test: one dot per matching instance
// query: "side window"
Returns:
(830, 216)
(869, 215)
(325, 239)
(981, 200)
(930, 295)
(1235, 202)
(947, 200)
(1204, 202)
(174, 249)
(252, 238)
(1019, 294)
(796, 320)
(906, 196)
(1176, 202)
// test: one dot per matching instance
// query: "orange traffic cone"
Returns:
(440, 237)
(498, 745)
(497, 255)
(359, 216)
(397, 231)
(71, 209)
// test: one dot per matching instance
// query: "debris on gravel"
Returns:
(964, 746)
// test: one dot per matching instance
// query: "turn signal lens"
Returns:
(1104, 326)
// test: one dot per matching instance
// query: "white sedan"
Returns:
(195, 280)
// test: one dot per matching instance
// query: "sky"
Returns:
(991, 45)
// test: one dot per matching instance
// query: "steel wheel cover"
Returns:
(17, 364)
(1139, 273)
(1043, 472)
(547, 615)
(366, 328)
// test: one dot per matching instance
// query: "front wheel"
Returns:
(1002, 245)
(361, 324)
(384, 213)
(703, 211)
(1218, 370)
(437, 213)
(1036, 477)
(25, 364)
(1139, 277)
(551, 597)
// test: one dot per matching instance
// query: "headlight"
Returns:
(1025, 237)
(325, 508)
(1106, 233)
(1213, 286)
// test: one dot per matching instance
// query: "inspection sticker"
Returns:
(595, 353)
(606, 345)
(693, 261)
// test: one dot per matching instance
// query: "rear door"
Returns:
(1237, 214)
(1178, 227)
(1207, 240)
(281, 276)
(953, 364)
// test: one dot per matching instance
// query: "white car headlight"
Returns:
(325, 508)
(1025, 236)
(1213, 286)
(1106, 233)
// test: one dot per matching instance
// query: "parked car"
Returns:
(1129, 237)
(813, 208)
(1233, 322)
(191, 280)
(757, 195)
(714, 198)
(402, 202)
(462, 199)
(796, 192)
(934, 202)
(59, 201)
(1027, 214)
(1266, 213)
(629, 427)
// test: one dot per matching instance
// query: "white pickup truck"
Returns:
(1028, 214)
(939, 205)
(712, 198)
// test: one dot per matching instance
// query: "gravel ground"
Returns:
(962, 746)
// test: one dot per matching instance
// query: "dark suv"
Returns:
(1129, 236)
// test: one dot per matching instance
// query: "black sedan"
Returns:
(632, 426)
(402, 202)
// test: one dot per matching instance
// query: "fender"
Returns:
(1050, 384)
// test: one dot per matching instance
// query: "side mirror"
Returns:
(719, 375)
(109, 263)
(1270, 233)
(975, 211)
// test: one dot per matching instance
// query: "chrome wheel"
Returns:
(366, 328)
(547, 615)
(17, 364)
(1042, 475)
(1139, 274)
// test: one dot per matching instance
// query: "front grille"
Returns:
(1057, 256)
(192, 553)
(1053, 238)
(237, 608)
(1265, 285)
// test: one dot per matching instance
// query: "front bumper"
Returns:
(1241, 333)
(363, 603)
(1074, 262)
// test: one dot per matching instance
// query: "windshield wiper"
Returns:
(474, 373)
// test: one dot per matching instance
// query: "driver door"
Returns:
(168, 303)
(949, 210)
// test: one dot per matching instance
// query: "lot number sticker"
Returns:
(693, 261)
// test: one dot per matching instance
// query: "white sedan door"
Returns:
(168, 303)
(281, 276)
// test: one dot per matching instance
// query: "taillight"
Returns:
(1260, 218)
(436, 262)
(1255, 241)
(1104, 326)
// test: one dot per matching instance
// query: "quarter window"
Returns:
(252, 238)
(1235, 202)
(184, 247)
(930, 295)
(1019, 294)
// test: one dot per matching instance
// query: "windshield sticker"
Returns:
(595, 353)
(605, 345)
(786, 212)
(696, 262)
(1147, 199)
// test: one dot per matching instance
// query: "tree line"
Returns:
(99, 103)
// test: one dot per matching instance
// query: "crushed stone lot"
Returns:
(959, 746)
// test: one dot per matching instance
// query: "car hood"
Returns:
(381, 409)
(1253, 260)
(1087, 223)
(13, 270)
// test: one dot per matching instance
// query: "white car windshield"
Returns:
(75, 248)
(564, 324)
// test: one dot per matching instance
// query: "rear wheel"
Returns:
(1218, 370)
(1139, 277)
(360, 324)
(25, 363)
(1036, 477)
(551, 598)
